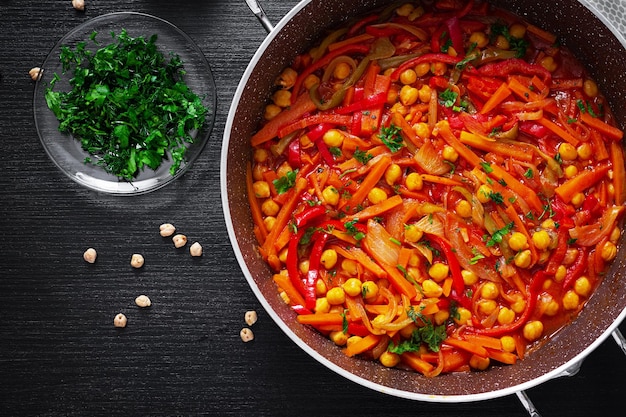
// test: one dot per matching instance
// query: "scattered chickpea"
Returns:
(582, 286)
(167, 229)
(329, 258)
(463, 208)
(501, 42)
(518, 241)
(424, 93)
(369, 289)
(405, 10)
(376, 195)
(541, 239)
(389, 359)
(408, 95)
(408, 77)
(90, 255)
(143, 301)
(342, 71)
(78, 4)
(584, 151)
(246, 334)
(338, 337)
(450, 154)
(609, 251)
(590, 88)
(322, 305)
(120, 320)
(412, 233)
(195, 249)
(330, 195)
(483, 193)
(137, 260)
(567, 151)
(414, 181)
(479, 363)
(571, 300)
(523, 259)
(261, 189)
(570, 171)
(35, 73)
(469, 277)
(489, 291)
(479, 38)
(508, 343)
(422, 69)
(438, 271)
(333, 138)
(431, 289)
(487, 307)
(269, 207)
(506, 316)
(533, 330)
(282, 98)
(179, 240)
(271, 111)
(517, 30)
(336, 296)
(352, 287)
(250, 317)
(393, 174)
(463, 316)
(549, 63)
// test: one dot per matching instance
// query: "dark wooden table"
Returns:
(60, 354)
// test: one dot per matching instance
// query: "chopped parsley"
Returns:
(391, 137)
(286, 182)
(519, 45)
(353, 231)
(498, 235)
(128, 105)
(427, 333)
(448, 98)
(362, 156)
(486, 167)
(496, 197)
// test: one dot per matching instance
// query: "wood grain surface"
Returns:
(60, 354)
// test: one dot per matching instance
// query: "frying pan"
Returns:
(590, 37)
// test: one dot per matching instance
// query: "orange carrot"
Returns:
(405, 256)
(581, 182)
(447, 287)
(498, 97)
(377, 209)
(361, 257)
(436, 179)
(545, 35)
(363, 345)
(467, 346)
(315, 119)
(398, 281)
(375, 174)
(415, 362)
(283, 281)
(519, 150)
(255, 207)
(521, 89)
(619, 173)
(503, 357)
(485, 341)
(559, 131)
(429, 307)
(320, 319)
(302, 105)
(611, 132)
(407, 131)
(599, 148)
(355, 39)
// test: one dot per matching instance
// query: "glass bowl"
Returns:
(66, 151)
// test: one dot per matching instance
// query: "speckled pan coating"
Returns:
(589, 39)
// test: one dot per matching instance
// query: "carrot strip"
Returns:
(484, 341)
(599, 147)
(283, 239)
(429, 307)
(361, 257)
(300, 107)
(398, 281)
(407, 131)
(559, 131)
(467, 346)
(283, 281)
(355, 39)
(581, 182)
(446, 287)
(498, 97)
(436, 179)
(375, 174)
(520, 150)
(515, 85)
(503, 357)
(619, 173)
(320, 319)
(415, 362)
(606, 129)
(316, 119)
(377, 209)
(363, 345)
(404, 256)
(255, 207)
(545, 35)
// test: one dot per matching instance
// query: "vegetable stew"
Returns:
(437, 186)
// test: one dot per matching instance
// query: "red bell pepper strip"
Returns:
(292, 262)
(458, 285)
(534, 290)
(301, 310)
(367, 103)
(576, 270)
(348, 49)
(533, 129)
(358, 329)
(360, 24)
(293, 154)
(456, 37)
(307, 215)
(313, 274)
(432, 57)
(559, 252)
(325, 152)
(515, 66)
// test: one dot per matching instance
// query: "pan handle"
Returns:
(619, 339)
(258, 11)
(528, 404)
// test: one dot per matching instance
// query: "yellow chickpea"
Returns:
(570, 171)
(582, 286)
(408, 95)
(414, 181)
(487, 307)
(424, 93)
(310, 81)
(590, 88)
(517, 30)
(405, 10)
(479, 363)
(567, 151)
(449, 154)
(329, 258)
(533, 330)
(269, 222)
(609, 251)
(270, 208)
(333, 138)
(282, 98)
(320, 287)
(349, 266)
(389, 359)
(518, 241)
(330, 195)
(408, 77)
(369, 290)
(501, 42)
(412, 233)
(261, 189)
(438, 68)
(549, 63)
(342, 71)
(336, 296)
(584, 151)
(518, 305)
(464, 316)
(578, 199)
(551, 308)
(441, 317)
(480, 39)
(283, 169)
(431, 289)
(489, 291)
(463, 208)
(615, 234)
(322, 305)
(376, 195)
(523, 259)
(560, 273)
(303, 266)
(393, 174)
(339, 337)
(422, 130)
(508, 343)
(352, 287)
(541, 239)
(483, 193)
(271, 111)
(260, 155)
(469, 277)
(506, 316)
(438, 271)
(422, 69)
(571, 300)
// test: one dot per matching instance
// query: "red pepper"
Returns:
(458, 285)
(432, 57)
(314, 264)
(576, 270)
(358, 329)
(534, 290)
(318, 131)
(559, 253)
(359, 25)
(315, 135)
(515, 66)
(308, 214)
(300, 310)
(292, 262)
(456, 37)
(293, 154)
(364, 104)
(325, 152)
(533, 129)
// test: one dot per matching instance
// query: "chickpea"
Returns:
(246, 335)
(282, 98)
(518, 241)
(250, 317)
(35, 73)
(143, 301)
(541, 239)
(487, 307)
(479, 363)
(501, 42)
(90, 255)
(483, 193)
(303, 266)
(120, 320)
(480, 39)
(342, 71)
(389, 359)
(506, 316)
(450, 154)
(533, 330)
(438, 68)
(405, 10)
(424, 93)
(549, 63)
(422, 69)
(78, 5)
(271, 111)
(320, 287)
(518, 305)
(369, 290)
(609, 251)
(195, 249)
(393, 174)
(350, 266)
(137, 260)
(179, 240)
(570, 171)
(376, 195)
(571, 300)
(329, 258)
(408, 95)
(615, 235)
(352, 340)
(412, 233)
(582, 286)
(463, 208)
(560, 273)
(270, 208)
(269, 222)
(408, 77)
(352, 287)
(261, 189)
(578, 199)
(284, 169)
(333, 138)
(508, 343)
(567, 151)
(523, 259)
(431, 289)
(517, 30)
(166, 230)
(489, 291)
(469, 277)
(330, 195)
(287, 78)
(336, 296)
(422, 130)
(414, 181)
(590, 88)
(441, 317)
(464, 316)
(584, 151)
(310, 81)
(438, 271)
(322, 305)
